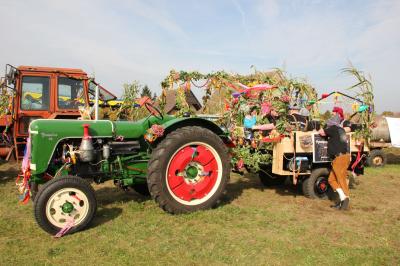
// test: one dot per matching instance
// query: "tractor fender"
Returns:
(174, 124)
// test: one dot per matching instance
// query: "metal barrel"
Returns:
(381, 132)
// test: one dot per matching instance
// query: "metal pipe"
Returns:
(341, 93)
(96, 103)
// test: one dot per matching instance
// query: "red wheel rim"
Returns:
(194, 173)
(321, 186)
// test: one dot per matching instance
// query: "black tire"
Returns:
(166, 151)
(376, 158)
(268, 179)
(142, 189)
(34, 190)
(62, 185)
(316, 186)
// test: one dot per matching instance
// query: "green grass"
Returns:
(253, 226)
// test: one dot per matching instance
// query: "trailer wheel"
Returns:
(376, 158)
(316, 186)
(65, 201)
(188, 170)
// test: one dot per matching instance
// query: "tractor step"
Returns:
(19, 146)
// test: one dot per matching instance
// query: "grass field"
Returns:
(253, 226)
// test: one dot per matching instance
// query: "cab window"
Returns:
(104, 95)
(70, 93)
(35, 93)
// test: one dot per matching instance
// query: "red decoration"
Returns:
(285, 98)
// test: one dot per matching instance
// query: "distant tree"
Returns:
(326, 115)
(146, 92)
(154, 97)
(388, 113)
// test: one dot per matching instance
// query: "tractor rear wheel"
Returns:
(63, 202)
(316, 186)
(188, 170)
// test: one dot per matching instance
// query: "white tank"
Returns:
(381, 132)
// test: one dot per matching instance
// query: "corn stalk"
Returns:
(364, 90)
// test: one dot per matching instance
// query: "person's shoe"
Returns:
(337, 206)
(345, 204)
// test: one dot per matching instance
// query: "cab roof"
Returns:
(52, 69)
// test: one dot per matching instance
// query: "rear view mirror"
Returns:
(11, 74)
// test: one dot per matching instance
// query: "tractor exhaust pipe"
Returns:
(96, 103)
(86, 150)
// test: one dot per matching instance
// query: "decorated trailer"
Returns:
(273, 122)
(302, 158)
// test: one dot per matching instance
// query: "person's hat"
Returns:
(338, 110)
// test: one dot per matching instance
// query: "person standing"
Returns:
(338, 152)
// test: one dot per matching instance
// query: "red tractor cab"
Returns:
(41, 93)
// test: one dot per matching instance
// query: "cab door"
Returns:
(34, 101)
(71, 95)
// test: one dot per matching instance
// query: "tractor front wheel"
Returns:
(188, 170)
(65, 202)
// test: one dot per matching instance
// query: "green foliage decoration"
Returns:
(219, 89)
(6, 98)
(128, 110)
(364, 90)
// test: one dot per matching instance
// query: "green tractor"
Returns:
(183, 163)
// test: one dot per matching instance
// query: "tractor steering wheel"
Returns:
(154, 110)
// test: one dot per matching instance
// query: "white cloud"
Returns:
(85, 35)
(316, 40)
(242, 14)
(268, 9)
(154, 12)
(130, 39)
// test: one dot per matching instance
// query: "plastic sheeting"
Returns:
(394, 130)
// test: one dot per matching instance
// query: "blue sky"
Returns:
(122, 41)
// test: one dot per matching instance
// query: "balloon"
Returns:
(236, 94)
(363, 108)
(325, 95)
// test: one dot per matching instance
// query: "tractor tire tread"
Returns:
(53, 186)
(375, 153)
(308, 183)
(158, 163)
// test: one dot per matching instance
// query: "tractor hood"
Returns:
(45, 134)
